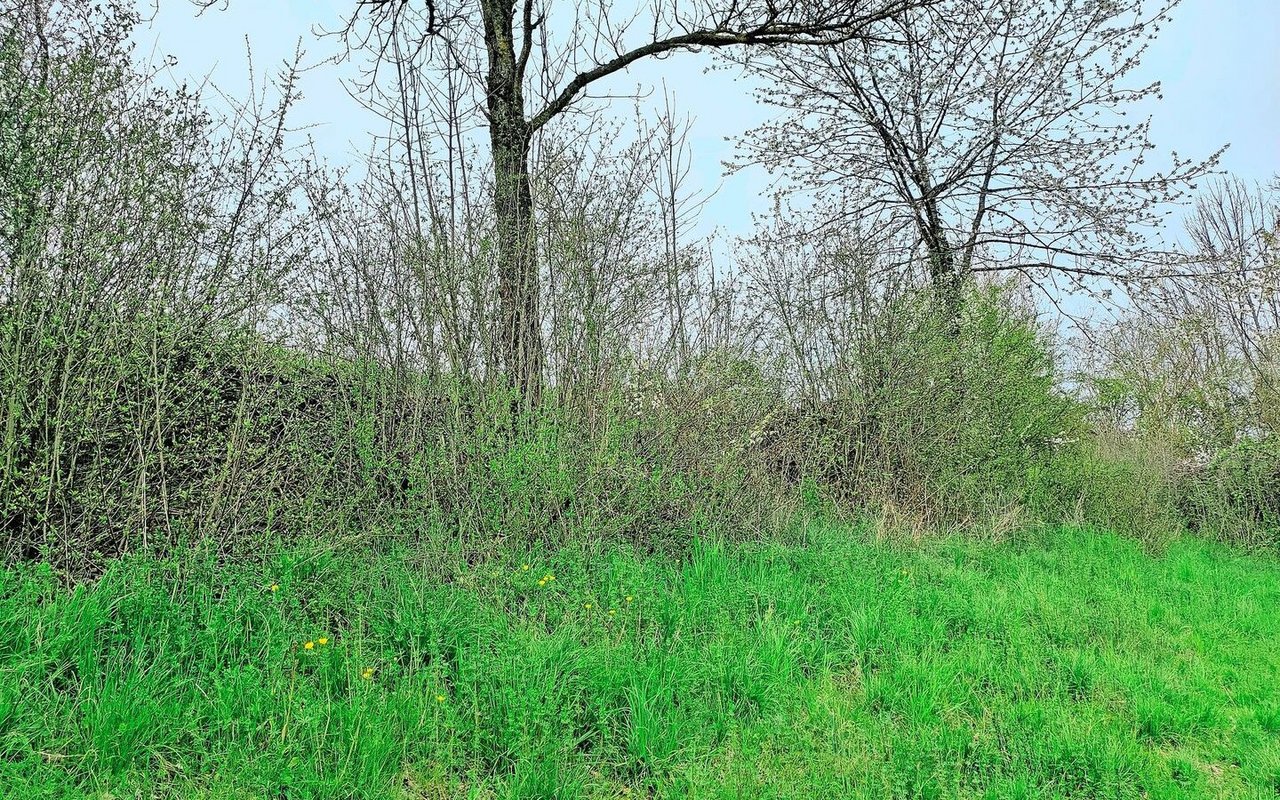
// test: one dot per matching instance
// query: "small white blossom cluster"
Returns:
(641, 399)
(762, 429)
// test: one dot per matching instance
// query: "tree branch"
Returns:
(833, 29)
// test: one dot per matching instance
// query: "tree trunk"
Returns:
(944, 273)
(948, 283)
(519, 325)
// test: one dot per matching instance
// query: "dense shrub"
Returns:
(1235, 494)
(118, 436)
(1107, 479)
(125, 433)
(944, 418)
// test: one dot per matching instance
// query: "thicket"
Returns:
(208, 337)
(1192, 371)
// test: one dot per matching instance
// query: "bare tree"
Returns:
(1235, 233)
(1202, 353)
(524, 77)
(994, 132)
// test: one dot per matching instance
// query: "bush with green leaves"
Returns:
(1109, 480)
(1235, 496)
(945, 417)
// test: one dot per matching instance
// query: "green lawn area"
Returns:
(1062, 664)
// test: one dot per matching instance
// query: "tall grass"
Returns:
(1062, 664)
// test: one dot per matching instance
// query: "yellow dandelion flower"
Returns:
(613, 612)
(587, 606)
(309, 646)
(275, 587)
(367, 674)
(439, 698)
(629, 598)
(524, 567)
(323, 640)
(551, 577)
(542, 582)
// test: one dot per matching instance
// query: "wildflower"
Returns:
(367, 674)
(613, 612)
(323, 640)
(309, 646)
(587, 606)
(524, 567)
(439, 698)
(629, 598)
(542, 582)
(275, 587)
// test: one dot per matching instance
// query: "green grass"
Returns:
(1066, 664)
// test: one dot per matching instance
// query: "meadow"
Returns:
(463, 469)
(1063, 663)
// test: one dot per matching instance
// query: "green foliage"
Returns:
(1208, 410)
(1236, 495)
(1054, 666)
(943, 418)
(136, 409)
(559, 478)
(144, 408)
(144, 433)
(339, 569)
(1110, 481)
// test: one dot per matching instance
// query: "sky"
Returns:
(1218, 61)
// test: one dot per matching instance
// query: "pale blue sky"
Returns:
(1219, 61)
